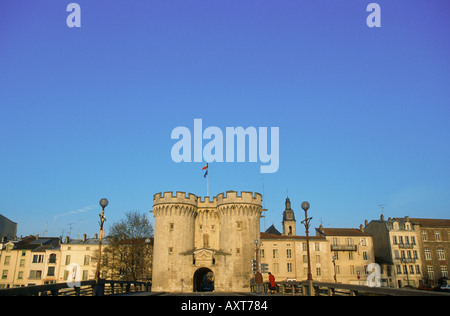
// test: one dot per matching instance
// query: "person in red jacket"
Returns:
(272, 285)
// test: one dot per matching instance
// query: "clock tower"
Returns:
(289, 224)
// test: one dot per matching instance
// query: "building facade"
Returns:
(38, 260)
(434, 244)
(204, 244)
(397, 251)
(351, 253)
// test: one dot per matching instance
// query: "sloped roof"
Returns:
(272, 230)
(342, 232)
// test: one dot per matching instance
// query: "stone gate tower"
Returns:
(201, 245)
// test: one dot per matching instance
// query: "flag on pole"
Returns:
(207, 179)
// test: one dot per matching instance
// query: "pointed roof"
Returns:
(272, 230)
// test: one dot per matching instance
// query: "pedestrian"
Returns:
(272, 285)
(258, 282)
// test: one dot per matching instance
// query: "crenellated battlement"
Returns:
(232, 197)
(178, 198)
(207, 202)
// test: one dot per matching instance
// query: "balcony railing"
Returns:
(406, 246)
(344, 247)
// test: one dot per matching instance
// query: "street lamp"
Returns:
(103, 203)
(305, 207)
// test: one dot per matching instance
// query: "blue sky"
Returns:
(87, 112)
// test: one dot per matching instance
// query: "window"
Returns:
(171, 227)
(87, 259)
(261, 252)
(399, 269)
(363, 242)
(427, 252)
(350, 255)
(67, 259)
(305, 247)
(438, 236)
(318, 271)
(396, 254)
(22, 263)
(289, 267)
(317, 259)
(170, 250)
(35, 274)
(51, 271)
(20, 275)
(335, 241)
(85, 275)
(430, 272)
(352, 269)
(276, 268)
(394, 240)
(424, 236)
(4, 274)
(441, 254)
(317, 246)
(52, 258)
(413, 240)
(417, 269)
(275, 253)
(7, 259)
(444, 272)
(305, 259)
(289, 253)
(38, 258)
(365, 256)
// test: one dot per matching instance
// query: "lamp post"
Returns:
(147, 243)
(103, 203)
(305, 207)
(256, 254)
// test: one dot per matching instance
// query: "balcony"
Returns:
(407, 260)
(344, 247)
(406, 246)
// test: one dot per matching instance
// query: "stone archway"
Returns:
(203, 280)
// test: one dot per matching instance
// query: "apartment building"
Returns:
(287, 259)
(434, 245)
(29, 261)
(351, 250)
(397, 250)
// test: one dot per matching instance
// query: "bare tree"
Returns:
(128, 254)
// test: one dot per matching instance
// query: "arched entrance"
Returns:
(203, 280)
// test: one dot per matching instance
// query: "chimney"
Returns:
(407, 218)
(366, 222)
(361, 228)
(382, 217)
(37, 236)
(66, 241)
(96, 236)
(84, 237)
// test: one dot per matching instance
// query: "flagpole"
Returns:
(207, 184)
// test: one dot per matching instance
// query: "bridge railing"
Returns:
(305, 288)
(82, 288)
